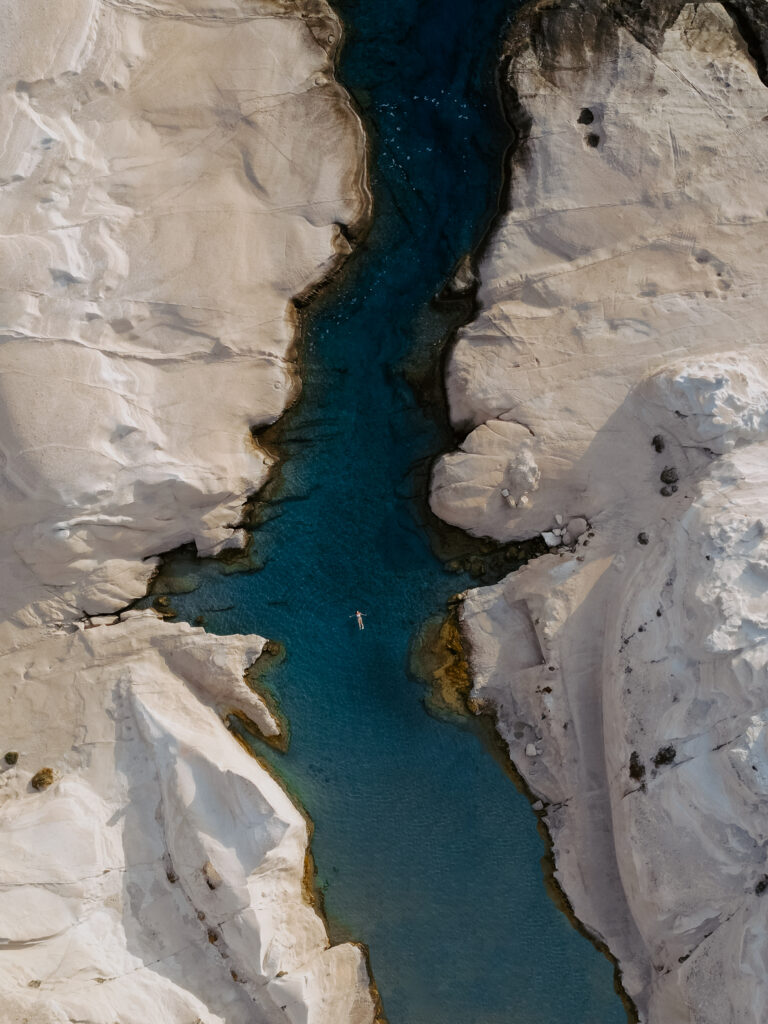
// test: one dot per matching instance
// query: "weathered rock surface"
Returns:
(172, 174)
(616, 377)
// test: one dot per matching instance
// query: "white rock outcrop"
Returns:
(620, 347)
(172, 175)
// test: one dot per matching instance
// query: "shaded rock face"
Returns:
(619, 343)
(172, 175)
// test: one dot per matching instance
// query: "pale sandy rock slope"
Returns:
(614, 384)
(171, 175)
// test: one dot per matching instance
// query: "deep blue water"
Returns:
(425, 850)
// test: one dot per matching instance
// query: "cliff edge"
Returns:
(172, 174)
(614, 390)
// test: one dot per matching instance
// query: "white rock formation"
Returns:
(172, 174)
(620, 344)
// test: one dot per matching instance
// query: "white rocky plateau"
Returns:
(616, 373)
(172, 174)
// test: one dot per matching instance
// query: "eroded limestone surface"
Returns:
(615, 388)
(172, 174)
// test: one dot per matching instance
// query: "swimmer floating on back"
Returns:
(359, 617)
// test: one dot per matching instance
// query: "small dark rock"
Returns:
(658, 443)
(669, 475)
(761, 886)
(636, 767)
(664, 755)
(12, 757)
(642, 538)
(586, 116)
(593, 140)
(42, 779)
(665, 491)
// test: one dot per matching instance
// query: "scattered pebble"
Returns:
(531, 750)
(642, 538)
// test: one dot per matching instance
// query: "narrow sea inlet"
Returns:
(425, 850)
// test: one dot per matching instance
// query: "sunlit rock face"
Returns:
(172, 175)
(615, 377)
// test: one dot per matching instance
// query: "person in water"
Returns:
(359, 616)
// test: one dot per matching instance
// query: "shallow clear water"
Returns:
(425, 850)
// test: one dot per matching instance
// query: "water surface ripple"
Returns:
(425, 850)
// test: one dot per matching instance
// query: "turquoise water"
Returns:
(425, 850)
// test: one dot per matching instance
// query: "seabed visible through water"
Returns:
(425, 850)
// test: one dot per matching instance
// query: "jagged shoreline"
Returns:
(151, 869)
(540, 640)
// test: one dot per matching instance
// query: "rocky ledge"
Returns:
(172, 175)
(613, 388)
